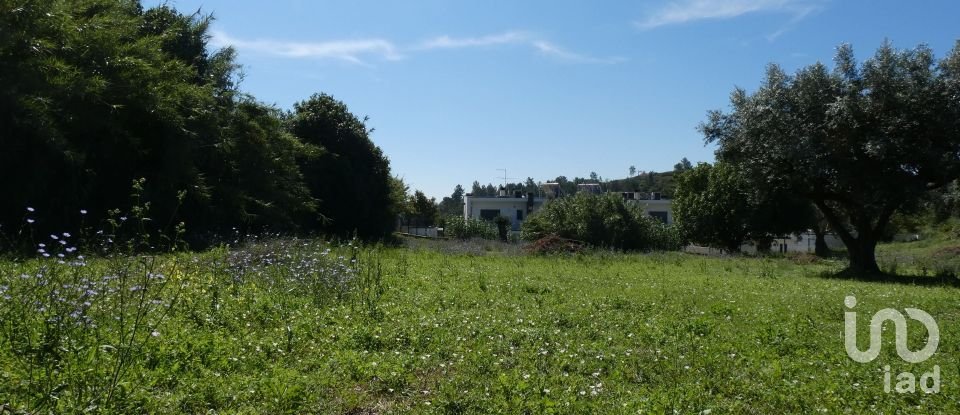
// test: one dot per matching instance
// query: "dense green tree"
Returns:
(95, 94)
(258, 183)
(487, 190)
(861, 142)
(567, 187)
(711, 207)
(350, 176)
(716, 205)
(423, 209)
(682, 166)
(399, 194)
(531, 186)
(90, 101)
(453, 204)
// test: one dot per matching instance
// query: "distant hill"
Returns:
(662, 182)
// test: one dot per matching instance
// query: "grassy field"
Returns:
(306, 327)
(937, 252)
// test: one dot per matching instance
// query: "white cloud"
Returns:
(549, 49)
(684, 11)
(346, 50)
(544, 47)
(355, 51)
(447, 42)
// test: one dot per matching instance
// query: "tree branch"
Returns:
(836, 223)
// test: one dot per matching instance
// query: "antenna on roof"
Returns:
(505, 178)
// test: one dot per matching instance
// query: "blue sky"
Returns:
(459, 89)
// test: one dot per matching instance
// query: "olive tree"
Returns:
(860, 141)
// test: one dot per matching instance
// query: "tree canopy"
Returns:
(348, 174)
(453, 204)
(861, 141)
(716, 205)
(97, 94)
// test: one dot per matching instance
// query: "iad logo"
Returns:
(906, 381)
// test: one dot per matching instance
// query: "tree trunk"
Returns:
(860, 248)
(862, 254)
(763, 245)
(820, 247)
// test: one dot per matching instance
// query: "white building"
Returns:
(653, 204)
(516, 207)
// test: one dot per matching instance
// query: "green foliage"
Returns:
(97, 93)
(646, 182)
(453, 204)
(399, 197)
(944, 203)
(103, 335)
(601, 220)
(351, 176)
(259, 186)
(459, 227)
(935, 253)
(296, 326)
(711, 206)
(861, 141)
(89, 101)
(503, 227)
(423, 209)
(717, 206)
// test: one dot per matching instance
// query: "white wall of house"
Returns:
(482, 207)
(657, 208)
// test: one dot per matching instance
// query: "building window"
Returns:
(519, 214)
(489, 214)
(659, 215)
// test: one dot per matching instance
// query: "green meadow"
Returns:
(303, 326)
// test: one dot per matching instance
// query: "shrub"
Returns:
(502, 223)
(601, 220)
(461, 228)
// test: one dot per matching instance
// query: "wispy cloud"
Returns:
(447, 42)
(356, 51)
(351, 50)
(549, 49)
(800, 12)
(684, 11)
(540, 45)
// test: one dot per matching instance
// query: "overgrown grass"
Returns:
(937, 252)
(307, 327)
